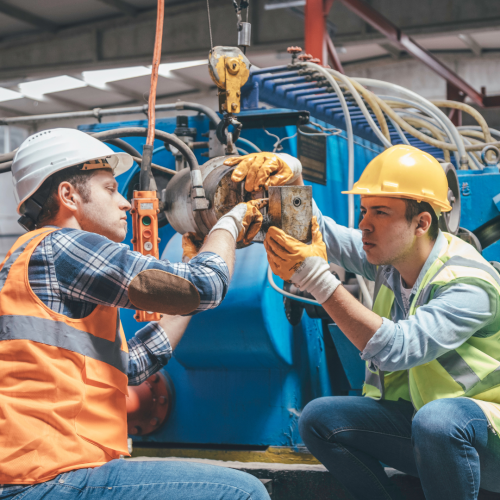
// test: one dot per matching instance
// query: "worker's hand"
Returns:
(306, 266)
(243, 221)
(191, 244)
(261, 170)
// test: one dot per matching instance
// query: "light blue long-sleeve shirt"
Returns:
(456, 312)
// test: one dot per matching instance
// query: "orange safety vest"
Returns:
(63, 381)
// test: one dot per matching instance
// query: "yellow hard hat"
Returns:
(405, 172)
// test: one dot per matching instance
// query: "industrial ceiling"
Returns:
(62, 55)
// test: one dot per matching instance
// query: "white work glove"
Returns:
(261, 170)
(306, 266)
(243, 221)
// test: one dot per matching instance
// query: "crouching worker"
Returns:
(431, 344)
(65, 363)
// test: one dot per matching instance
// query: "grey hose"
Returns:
(99, 113)
(493, 132)
(430, 112)
(453, 132)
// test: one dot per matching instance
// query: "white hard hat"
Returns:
(47, 152)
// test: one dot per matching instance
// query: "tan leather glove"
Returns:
(243, 221)
(306, 266)
(261, 170)
(191, 245)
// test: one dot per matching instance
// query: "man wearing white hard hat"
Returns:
(65, 362)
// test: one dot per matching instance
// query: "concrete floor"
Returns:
(311, 482)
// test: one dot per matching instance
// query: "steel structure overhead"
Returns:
(332, 54)
(120, 39)
(394, 51)
(404, 42)
(316, 44)
(471, 43)
(26, 16)
(122, 6)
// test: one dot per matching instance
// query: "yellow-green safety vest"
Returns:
(473, 369)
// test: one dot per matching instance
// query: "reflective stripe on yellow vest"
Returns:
(473, 369)
(63, 385)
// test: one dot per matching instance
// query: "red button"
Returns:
(147, 233)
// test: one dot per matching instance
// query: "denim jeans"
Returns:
(148, 480)
(447, 444)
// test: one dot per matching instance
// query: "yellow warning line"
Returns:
(273, 455)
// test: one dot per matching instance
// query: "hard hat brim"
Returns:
(119, 163)
(383, 194)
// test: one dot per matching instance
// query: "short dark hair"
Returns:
(414, 208)
(77, 177)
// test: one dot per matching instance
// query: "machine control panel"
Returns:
(144, 213)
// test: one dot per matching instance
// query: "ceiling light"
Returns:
(38, 88)
(100, 77)
(167, 68)
(9, 95)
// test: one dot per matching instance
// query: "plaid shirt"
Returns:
(73, 271)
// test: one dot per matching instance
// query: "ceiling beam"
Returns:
(110, 87)
(136, 96)
(393, 51)
(397, 37)
(191, 82)
(123, 7)
(472, 44)
(26, 17)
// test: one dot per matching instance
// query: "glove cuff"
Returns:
(315, 277)
(293, 164)
(232, 221)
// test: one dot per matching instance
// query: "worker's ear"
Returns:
(69, 197)
(424, 221)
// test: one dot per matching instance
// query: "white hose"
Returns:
(435, 116)
(350, 138)
(493, 132)
(287, 294)
(362, 107)
(249, 143)
(383, 139)
(400, 132)
(457, 140)
(420, 116)
(361, 282)
(472, 156)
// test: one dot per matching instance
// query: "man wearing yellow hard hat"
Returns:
(431, 344)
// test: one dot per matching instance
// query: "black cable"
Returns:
(170, 139)
(113, 137)
(124, 146)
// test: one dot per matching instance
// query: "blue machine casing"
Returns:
(242, 373)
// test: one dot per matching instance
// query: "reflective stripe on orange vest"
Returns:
(63, 383)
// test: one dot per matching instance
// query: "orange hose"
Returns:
(154, 72)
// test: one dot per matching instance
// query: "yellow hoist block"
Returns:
(229, 69)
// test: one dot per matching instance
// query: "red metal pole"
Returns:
(315, 29)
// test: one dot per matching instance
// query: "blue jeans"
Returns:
(448, 445)
(148, 480)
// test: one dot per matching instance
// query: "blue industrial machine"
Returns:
(243, 373)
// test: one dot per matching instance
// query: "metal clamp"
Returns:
(492, 162)
(225, 137)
